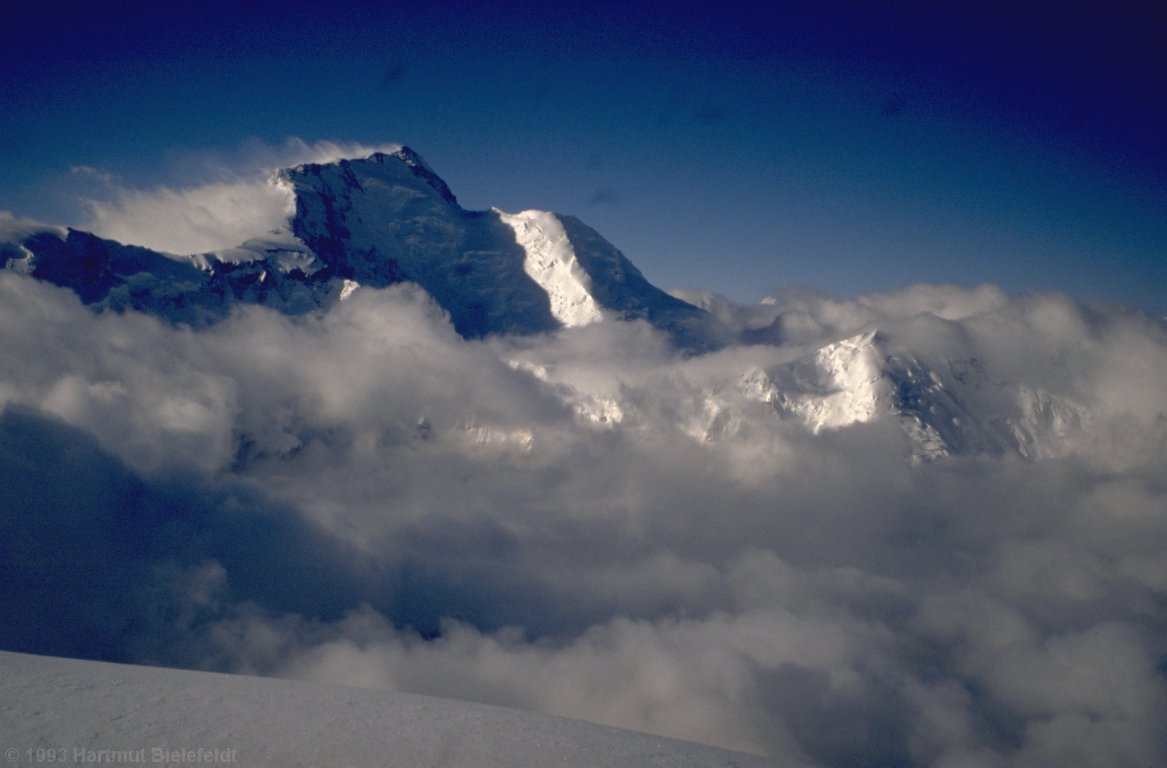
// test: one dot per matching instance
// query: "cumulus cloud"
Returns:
(588, 524)
(219, 202)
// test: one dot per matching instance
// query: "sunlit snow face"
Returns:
(364, 497)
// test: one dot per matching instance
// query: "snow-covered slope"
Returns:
(946, 398)
(942, 408)
(551, 263)
(195, 290)
(83, 712)
(374, 221)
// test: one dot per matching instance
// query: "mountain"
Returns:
(388, 218)
(947, 401)
(377, 221)
(946, 406)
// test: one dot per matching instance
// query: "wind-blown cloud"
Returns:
(225, 200)
(585, 523)
(193, 220)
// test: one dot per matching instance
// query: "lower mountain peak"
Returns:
(947, 405)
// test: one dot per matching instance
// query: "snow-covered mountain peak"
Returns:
(420, 168)
(389, 217)
(942, 396)
(401, 166)
(840, 384)
(378, 220)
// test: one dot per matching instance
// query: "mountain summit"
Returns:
(383, 219)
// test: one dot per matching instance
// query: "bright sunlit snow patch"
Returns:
(551, 263)
(842, 385)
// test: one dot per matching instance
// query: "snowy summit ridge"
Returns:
(375, 221)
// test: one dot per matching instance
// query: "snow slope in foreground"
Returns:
(84, 712)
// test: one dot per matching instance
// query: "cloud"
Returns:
(220, 200)
(588, 524)
(194, 220)
(295, 151)
(88, 172)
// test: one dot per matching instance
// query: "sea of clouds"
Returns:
(363, 497)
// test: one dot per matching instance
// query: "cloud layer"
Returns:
(554, 523)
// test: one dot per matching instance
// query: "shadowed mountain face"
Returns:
(377, 221)
(388, 219)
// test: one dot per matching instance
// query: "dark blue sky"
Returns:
(719, 146)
